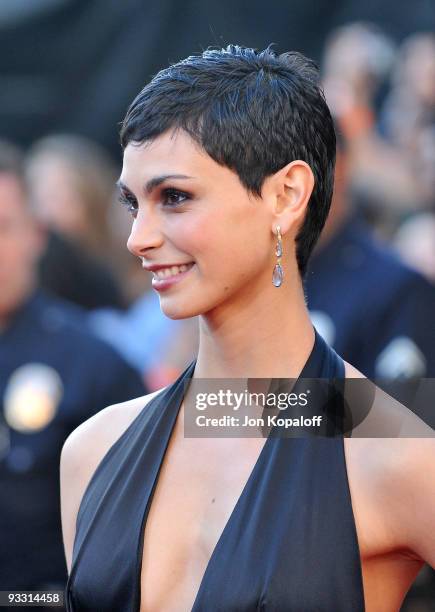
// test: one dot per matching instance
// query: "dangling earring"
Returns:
(278, 274)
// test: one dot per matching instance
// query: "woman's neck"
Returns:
(269, 336)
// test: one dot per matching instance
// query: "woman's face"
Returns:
(55, 197)
(202, 216)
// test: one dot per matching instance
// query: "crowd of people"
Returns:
(80, 327)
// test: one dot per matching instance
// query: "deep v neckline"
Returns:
(257, 465)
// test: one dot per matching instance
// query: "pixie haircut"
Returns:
(253, 112)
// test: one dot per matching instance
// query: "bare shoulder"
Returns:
(394, 475)
(377, 414)
(82, 452)
(408, 441)
(103, 429)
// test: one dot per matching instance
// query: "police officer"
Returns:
(53, 375)
(373, 309)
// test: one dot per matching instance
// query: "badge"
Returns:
(32, 397)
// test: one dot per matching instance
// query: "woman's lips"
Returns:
(161, 284)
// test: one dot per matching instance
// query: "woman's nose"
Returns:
(145, 234)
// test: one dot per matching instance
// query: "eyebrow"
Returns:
(154, 182)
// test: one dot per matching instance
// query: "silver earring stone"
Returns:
(278, 273)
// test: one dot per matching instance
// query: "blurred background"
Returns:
(80, 327)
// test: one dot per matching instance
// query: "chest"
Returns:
(197, 492)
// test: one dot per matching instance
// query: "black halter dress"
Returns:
(290, 544)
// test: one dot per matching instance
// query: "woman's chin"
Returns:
(186, 303)
(173, 310)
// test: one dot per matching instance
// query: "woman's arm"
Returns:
(414, 496)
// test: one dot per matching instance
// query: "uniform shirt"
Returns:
(376, 312)
(53, 375)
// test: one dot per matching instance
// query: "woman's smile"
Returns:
(166, 277)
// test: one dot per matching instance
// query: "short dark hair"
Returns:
(253, 112)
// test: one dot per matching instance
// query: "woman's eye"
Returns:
(172, 197)
(130, 204)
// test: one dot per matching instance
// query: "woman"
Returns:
(70, 182)
(228, 172)
(71, 179)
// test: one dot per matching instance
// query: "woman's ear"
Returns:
(288, 191)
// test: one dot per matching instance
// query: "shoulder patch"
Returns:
(401, 358)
